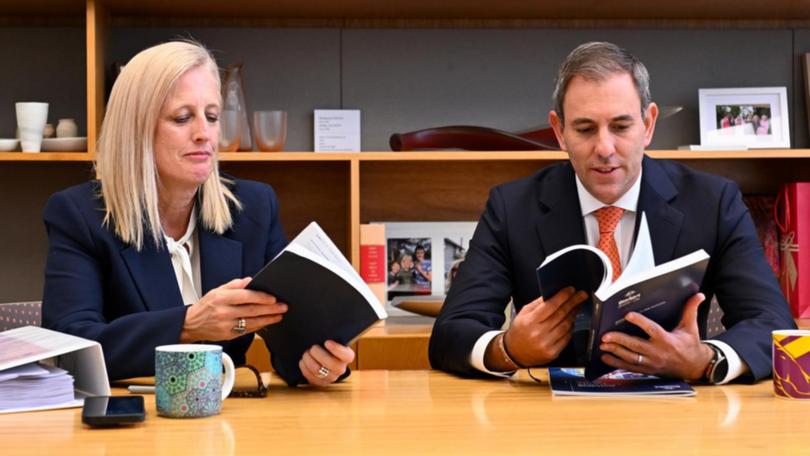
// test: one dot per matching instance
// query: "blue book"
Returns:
(657, 292)
(572, 382)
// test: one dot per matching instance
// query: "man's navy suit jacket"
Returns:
(528, 219)
(101, 289)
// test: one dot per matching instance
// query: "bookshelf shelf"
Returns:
(45, 157)
(764, 154)
(430, 156)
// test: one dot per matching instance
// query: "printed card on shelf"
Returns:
(337, 130)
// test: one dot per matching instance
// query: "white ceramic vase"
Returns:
(67, 128)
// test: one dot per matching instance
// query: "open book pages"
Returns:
(641, 260)
(572, 382)
(640, 267)
(625, 281)
(314, 244)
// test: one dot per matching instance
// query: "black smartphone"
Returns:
(113, 410)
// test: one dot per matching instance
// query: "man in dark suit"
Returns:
(604, 119)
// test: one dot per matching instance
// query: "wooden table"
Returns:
(418, 412)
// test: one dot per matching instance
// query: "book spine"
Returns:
(372, 259)
(596, 320)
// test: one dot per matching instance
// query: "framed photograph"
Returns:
(422, 257)
(754, 118)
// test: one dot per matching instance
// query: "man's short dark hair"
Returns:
(596, 61)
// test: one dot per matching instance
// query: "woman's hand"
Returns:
(217, 314)
(322, 367)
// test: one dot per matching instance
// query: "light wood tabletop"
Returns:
(417, 412)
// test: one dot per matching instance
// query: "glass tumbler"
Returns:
(230, 131)
(270, 130)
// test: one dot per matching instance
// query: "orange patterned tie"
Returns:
(608, 217)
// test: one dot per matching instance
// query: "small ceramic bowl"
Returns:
(78, 143)
(7, 145)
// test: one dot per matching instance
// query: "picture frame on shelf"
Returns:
(749, 117)
(422, 257)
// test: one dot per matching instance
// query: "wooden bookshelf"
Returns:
(343, 190)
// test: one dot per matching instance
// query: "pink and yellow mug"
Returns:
(791, 363)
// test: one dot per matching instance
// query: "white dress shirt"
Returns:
(186, 261)
(624, 241)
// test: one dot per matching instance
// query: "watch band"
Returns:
(718, 359)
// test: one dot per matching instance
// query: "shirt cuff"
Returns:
(736, 366)
(480, 349)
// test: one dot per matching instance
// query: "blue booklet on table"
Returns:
(572, 382)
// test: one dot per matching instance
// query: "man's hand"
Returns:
(539, 332)
(678, 354)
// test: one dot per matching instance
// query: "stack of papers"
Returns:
(81, 358)
(35, 385)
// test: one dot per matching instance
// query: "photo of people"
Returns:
(744, 119)
(454, 252)
(414, 267)
(410, 270)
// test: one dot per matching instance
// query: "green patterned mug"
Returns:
(188, 380)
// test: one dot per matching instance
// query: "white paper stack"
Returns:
(81, 358)
(35, 385)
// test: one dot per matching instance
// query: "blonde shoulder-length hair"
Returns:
(125, 162)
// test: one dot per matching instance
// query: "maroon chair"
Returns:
(473, 138)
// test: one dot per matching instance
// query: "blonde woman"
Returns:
(159, 249)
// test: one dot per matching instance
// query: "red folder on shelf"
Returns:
(793, 218)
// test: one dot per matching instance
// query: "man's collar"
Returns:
(589, 203)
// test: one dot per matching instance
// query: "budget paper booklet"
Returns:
(572, 382)
(657, 292)
(325, 297)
